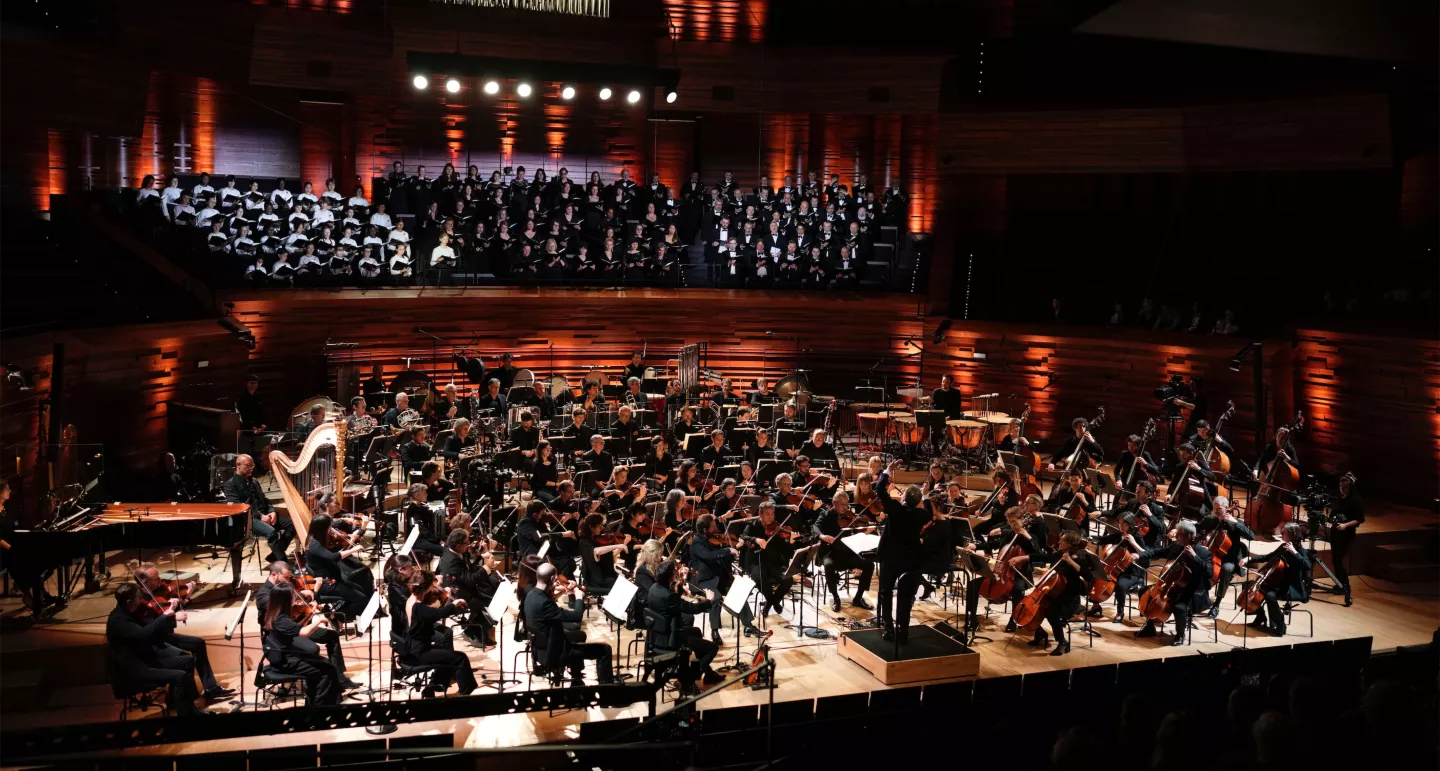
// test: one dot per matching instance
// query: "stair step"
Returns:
(23, 690)
(1408, 572)
(1393, 551)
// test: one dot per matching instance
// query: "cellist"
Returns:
(1240, 536)
(1289, 585)
(1077, 566)
(1194, 586)
(1124, 534)
(1028, 534)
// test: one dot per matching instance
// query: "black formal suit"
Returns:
(899, 554)
(242, 489)
(670, 631)
(476, 586)
(138, 659)
(557, 641)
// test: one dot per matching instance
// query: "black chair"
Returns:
(135, 697)
(407, 672)
(278, 685)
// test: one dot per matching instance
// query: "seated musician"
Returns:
(152, 586)
(1239, 552)
(726, 503)
(544, 475)
(289, 648)
(1124, 533)
(1148, 469)
(304, 428)
(1070, 492)
(637, 527)
(623, 430)
(242, 488)
(762, 394)
(599, 461)
(633, 395)
(770, 553)
(659, 464)
(833, 524)
(1292, 585)
(571, 509)
(789, 420)
(437, 487)
(1186, 457)
(715, 453)
(1028, 534)
(323, 555)
(540, 401)
(780, 497)
(392, 415)
(280, 573)
(1077, 566)
(761, 449)
(426, 609)
(597, 561)
(558, 641)
(592, 399)
(140, 659)
(669, 601)
(935, 480)
(415, 453)
(1003, 499)
(493, 402)
(819, 482)
(684, 427)
(447, 405)
(647, 561)
(458, 442)
(749, 482)
(1193, 593)
(527, 435)
(473, 584)
(937, 538)
(529, 532)
(417, 514)
(712, 561)
(577, 432)
(1091, 453)
(692, 483)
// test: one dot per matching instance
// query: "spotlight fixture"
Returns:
(632, 97)
(491, 87)
(421, 82)
(671, 96)
(567, 92)
(453, 86)
(523, 90)
(605, 92)
(1237, 362)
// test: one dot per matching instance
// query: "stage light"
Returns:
(632, 97)
(421, 82)
(453, 86)
(523, 89)
(671, 96)
(491, 87)
(605, 92)
(567, 92)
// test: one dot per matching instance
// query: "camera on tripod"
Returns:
(1175, 388)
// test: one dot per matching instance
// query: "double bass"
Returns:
(1269, 509)
(1214, 457)
(1128, 485)
(1029, 484)
(1080, 445)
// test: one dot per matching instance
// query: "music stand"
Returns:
(616, 607)
(239, 621)
(790, 438)
(495, 612)
(977, 568)
(409, 541)
(734, 602)
(799, 563)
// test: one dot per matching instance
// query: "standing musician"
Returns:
(1240, 538)
(1091, 453)
(323, 555)
(526, 436)
(426, 609)
(1292, 583)
(493, 401)
(1347, 514)
(280, 573)
(505, 373)
(947, 399)
(635, 370)
(715, 453)
(152, 586)
(1132, 455)
(597, 559)
(415, 453)
(1280, 447)
(1203, 432)
(544, 476)
(899, 554)
(670, 600)
(419, 515)
(659, 464)
(139, 656)
(290, 647)
(712, 560)
(476, 586)
(770, 551)
(264, 522)
(1125, 534)
(1194, 588)
(1077, 566)
(600, 463)
(559, 644)
(833, 524)
(1027, 532)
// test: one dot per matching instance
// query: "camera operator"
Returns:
(1347, 513)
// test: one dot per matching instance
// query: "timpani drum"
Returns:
(909, 430)
(999, 425)
(965, 434)
(873, 423)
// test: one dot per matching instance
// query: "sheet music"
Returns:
(368, 615)
(410, 541)
(504, 594)
(617, 602)
(544, 549)
(739, 594)
(861, 542)
(240, 614)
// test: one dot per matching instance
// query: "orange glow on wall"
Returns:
(786, 137)
(557, 123)
(919, 177)
(204, 130)
(54, 179)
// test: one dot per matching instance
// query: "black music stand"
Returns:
(799, 564)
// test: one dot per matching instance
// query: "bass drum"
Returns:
(558, 385)
(333, 410)
(523, 379)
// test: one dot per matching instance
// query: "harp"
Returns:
(318, 469)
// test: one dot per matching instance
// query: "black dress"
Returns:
(289, 651)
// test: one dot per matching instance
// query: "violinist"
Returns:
(1023, 545)
(832, 525)
(1281, 448)
(1291, 583)
(544, 474)
(323, 560)
(1133, 454)
(695, 485)
(726, 504)
(600, 463)
(789, 500)
(647, 560)
(867, 498)
(426, 609)
(1240, 537)
(1077, 566)
(526, 436)
(529, 531)
(1194, 584)
(936, 478)
(1091, 453)
(749, 483)
(899, 554)
(598, 548)
(577, 432)
(289, 648)
(937, 538)
(619, 493)
(670, 601)
(1347, 514)
(659, 464)
(770, 551)
(637, 525)
(1125, 534)
(819, 482)
(569, 510)
(559, 643)
(153, 587)
(418, 514)
(712, 560)
(476, 586)
(280, 573)
(139, 657)
(715, 453)
(415, 453)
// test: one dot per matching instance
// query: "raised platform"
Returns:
(928, 654)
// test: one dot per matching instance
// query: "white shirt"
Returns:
(309, 199)
(242, 245)
(202, 219)
(226, 193)
(403, 236)
(381, 219)
(146, 192)
(199, 190)
(257, 269)
(358, 201)
(279, 264)
(323, 216)
(279, 196)
(373, 241)
(333, 197)
(442, 253)
(308, 259)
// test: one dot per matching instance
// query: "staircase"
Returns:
(1406, 562)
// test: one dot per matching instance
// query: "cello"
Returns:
(1219, 544)
(1030, 611)
(1269, 575)
(1269, 509)
(1113, 562)
(1157, 601)
(997, 586)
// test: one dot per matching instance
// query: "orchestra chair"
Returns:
(278, 686)
(659, 663)
(1289, 609)
(406, 671)
(142, 700)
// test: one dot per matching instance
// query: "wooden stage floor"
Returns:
(66, 650)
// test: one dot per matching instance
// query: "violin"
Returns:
(1031, 610)
(560, 586)
(869, 503)
(303, 609)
